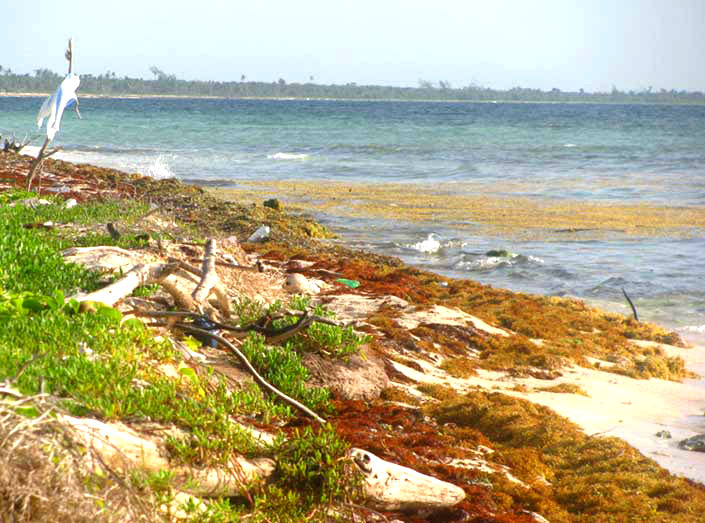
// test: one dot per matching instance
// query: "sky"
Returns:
(545, 44)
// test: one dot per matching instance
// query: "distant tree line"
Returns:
(108, 84)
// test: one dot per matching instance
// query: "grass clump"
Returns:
(313, 471)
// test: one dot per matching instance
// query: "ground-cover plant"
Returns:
(281, 365)
(94, 363)
(314, 481)
(28, 262)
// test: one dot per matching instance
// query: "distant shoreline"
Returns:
(128, 96)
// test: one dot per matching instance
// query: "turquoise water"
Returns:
(620, 153)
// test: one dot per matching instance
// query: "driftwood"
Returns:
(121, 448)
(272, 335)
(388, 486)
(174, 286)
(209, 277)
(631, 304)
(141, 274)
(220, 294)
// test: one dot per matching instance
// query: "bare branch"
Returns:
(631, 304)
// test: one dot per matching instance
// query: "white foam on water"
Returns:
(699, 329)
(159, 169)
(429, 245)
(288, 156)
(535, 259)
(490, 262)
(569, 145)
(482, 264)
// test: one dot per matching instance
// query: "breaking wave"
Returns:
(288, 156)
(159, 169)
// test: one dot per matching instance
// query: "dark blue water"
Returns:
(583, 152)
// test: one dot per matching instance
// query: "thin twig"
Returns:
(272, 335)
(602, 432)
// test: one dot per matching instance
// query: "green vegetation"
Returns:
(95, 364)
(108, 83)
(281, 365)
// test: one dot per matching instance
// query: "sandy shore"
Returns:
(634, 410)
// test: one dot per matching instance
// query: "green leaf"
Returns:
(33, 304)
(27, 412)
(109, 313)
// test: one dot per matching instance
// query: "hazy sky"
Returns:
(568, 44)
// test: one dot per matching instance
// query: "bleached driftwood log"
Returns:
(122, 448)
(209, 277)
(220, 294)
(105, 258)
(388, 486)
(141, 274)
(176, 287)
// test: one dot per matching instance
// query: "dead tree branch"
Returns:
(220, 294)
(209, 277)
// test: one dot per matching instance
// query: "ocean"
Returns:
(464, 160)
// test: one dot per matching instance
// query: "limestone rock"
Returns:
(299, 284)
(358, 378)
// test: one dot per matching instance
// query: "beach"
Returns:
(443, 344)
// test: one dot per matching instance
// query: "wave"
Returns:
(489, 262)
(430, 245)
(110, 149)
(159, 169)
(288, 156)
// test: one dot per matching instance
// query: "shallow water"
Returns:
(609, 154)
